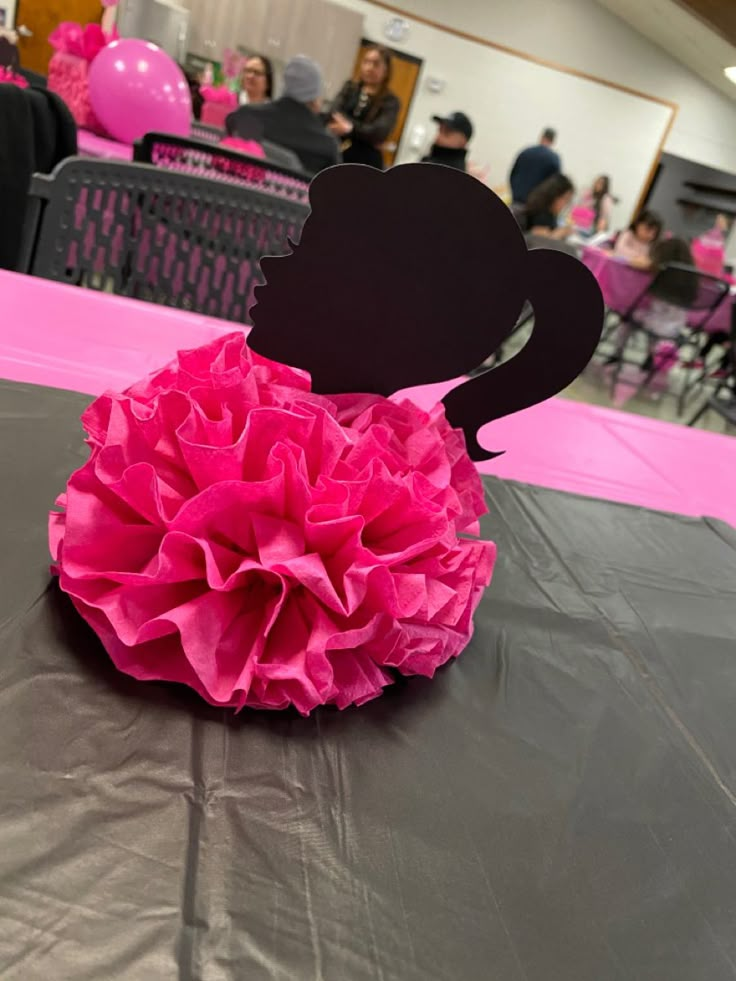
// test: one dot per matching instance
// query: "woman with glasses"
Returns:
(256, 80)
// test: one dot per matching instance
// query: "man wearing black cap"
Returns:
(451, 142)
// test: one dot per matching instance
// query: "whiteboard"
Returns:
(601, 130)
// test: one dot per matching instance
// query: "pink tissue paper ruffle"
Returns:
(268, 546)
(81, 42)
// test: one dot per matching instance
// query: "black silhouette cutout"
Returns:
(415, 276)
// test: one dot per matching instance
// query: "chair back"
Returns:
(206, 133)
(689, 288)
(547, 242)
(219, 163)
(170, 238)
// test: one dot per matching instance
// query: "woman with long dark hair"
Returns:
(602, 202)
(545, 204)
(366, 111)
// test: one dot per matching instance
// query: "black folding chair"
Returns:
(161, 236)
(723, 398)
(696, 293)
(202, 159)
(206, 133)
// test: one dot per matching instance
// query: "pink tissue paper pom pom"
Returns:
(268, 546)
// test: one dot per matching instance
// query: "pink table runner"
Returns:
(621, 284)
(66, 337)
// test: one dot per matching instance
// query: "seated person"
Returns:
(450, 144)
(544, 206)
(664, 319)
(636, 244)
(292, 121)
(599, 201)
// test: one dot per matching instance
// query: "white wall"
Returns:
(582, 34)
(9, 7)
(511, 99)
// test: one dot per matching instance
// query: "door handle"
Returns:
(24, 31)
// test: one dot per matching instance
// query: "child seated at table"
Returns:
(636, 244)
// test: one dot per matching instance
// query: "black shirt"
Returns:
(372, 123)
(541, 219)
(290, 124)
(448, 156)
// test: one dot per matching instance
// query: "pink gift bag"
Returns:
(219, 102)
(583, 218)
(215, 114)
(709, 254)
(68, 78)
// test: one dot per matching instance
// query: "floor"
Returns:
(593, 387)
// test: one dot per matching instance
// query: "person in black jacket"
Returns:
(291, 121)
(365, 112)
(450, 147)
(37, 132)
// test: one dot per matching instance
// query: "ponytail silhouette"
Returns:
(563, 341)
(416, 276)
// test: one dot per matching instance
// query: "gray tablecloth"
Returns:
(557, 805)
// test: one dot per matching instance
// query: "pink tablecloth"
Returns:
(67, 337)
(621, 285)
(91, 145)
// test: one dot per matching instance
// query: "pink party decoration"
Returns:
(136, 88)
(268, 546)
(219, 102)
(709, 254)
(219, 94)
(82, 42)
(250, 147)
(75, 47)
(583, 217)
(233, 63)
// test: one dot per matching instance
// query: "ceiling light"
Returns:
(730, 73)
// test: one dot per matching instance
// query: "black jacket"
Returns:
(371, 127)
(37, 131)
(448, 156)
(290, 124)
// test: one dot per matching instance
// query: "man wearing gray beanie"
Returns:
(292, 121)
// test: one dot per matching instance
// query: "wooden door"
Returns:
(40, 19)
(405, 70)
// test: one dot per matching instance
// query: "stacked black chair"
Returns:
(157, 235)
(696, 293)
(722, 399)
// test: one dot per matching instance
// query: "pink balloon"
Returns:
(136, 88)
